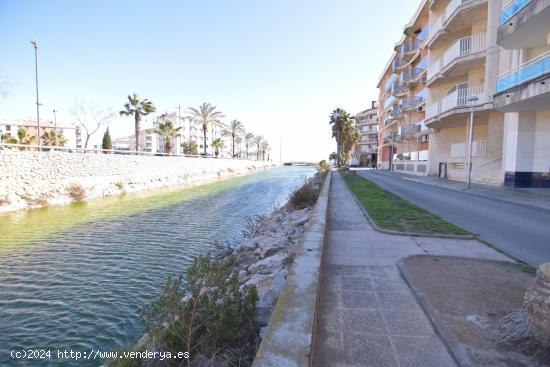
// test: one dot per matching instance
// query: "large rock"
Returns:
(537, 304)
(269, 265)
(269, 287)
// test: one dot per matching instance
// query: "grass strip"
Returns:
(391, 212)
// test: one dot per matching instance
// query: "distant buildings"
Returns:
(491, 57)
(366, 151)
(71, 132)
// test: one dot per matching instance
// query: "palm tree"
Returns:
(248, 138)
(137, 108)
(206, 115)
(338, 119)
(168, 132)
(234, 129)
(258, 141)
(8, 139)
(217, 144)
(265, 147)
(350, 137)
(49, 139)
(239, 140)
(24, 138)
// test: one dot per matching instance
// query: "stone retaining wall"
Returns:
(30, 179)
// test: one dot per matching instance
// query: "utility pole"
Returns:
(35, 45)
(55, 126)
(472, 101)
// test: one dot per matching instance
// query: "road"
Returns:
(521, 231)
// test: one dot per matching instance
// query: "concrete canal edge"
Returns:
(289, 337)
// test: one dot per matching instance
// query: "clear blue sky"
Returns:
(280, 66)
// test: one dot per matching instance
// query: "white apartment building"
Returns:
(489, 57)
(366, 151)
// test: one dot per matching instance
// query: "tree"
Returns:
(235, 128)
(206, 115)
(248, 138)
(190, 148)
(107, 144)
(8, 139)
(51, 138)
(168, 132)
(91, 117)
(264, 147)
(137, 108)
(258, 141)
(238, 140)
(338, 118)
(217, 144)
(350, 137)
(24, 138)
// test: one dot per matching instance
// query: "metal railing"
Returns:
(528, 71)
(457, 98)
(479, 149)
(51, 148)
(408, 131)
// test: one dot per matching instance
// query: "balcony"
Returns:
(457, 97)
(397, 64)
(408, 131)
(395, 114)
(389, 101)
(411, 103)
(525, 89)
(467, 50)
(456, 16)
(398, 89)
(414, 75)
(389, 83)
(524, 24)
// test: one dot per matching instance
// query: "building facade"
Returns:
(71, 133)
(366, 152)
(483, 58)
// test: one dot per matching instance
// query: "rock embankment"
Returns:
(264, 259)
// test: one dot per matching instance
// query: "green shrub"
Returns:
(76, 192)
(119, 185)
(324, 166)
(210, 316)
(305, 196)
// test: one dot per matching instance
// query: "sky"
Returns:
(279, 66)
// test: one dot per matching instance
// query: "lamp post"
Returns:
(472, 101)
(55, 126)
(35, 45)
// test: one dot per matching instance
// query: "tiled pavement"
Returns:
(367, 314)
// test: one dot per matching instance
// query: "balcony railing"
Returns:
(447, 13)
(457, 98)
(389, 101)
(397, 88)
(397, 64)
(412, 74)
(528, 71)
(390, 81)
(411, 102)
(408, 131)
(462, 47)
(512, 9)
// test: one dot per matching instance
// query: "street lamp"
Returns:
(472, 100)
(55, 126)
(35, 45)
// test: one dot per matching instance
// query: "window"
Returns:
(8, 128)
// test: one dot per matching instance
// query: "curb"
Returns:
(290, 336)
(408, 234)
(457, 350)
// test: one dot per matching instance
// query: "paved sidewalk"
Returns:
(367, 314)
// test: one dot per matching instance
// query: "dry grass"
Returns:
(76, 192)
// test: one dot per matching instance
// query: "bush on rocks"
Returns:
(305, 196)
(211, 316)
(76, 192)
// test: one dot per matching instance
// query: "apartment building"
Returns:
(403, 136)
(523, 91)
(71, 133)
(366, 152)
(486, 59)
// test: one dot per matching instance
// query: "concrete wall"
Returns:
(29, 178)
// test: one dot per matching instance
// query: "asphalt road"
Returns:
(521, 231)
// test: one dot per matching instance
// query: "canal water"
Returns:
(74, 277)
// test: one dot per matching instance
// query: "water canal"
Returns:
(74, 277)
